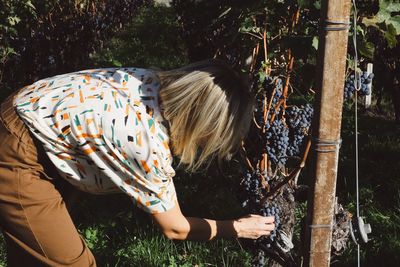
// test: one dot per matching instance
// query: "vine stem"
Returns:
(288, 74)
(264, 158)
(255, 122)
(263, 164)
(254, 58)
(254, 35)
(289, 69)
(265, 50)
(246, 158)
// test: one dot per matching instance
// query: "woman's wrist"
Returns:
(237, 228)
(202, 229)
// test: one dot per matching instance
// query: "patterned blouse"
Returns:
(103, 130)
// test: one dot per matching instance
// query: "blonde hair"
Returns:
(209, 109)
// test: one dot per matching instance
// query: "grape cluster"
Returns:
(258, 111)
(251, 192)
(362, 81)
(271, 209)
(282, 135)
(277, 137)
(299, 123)
(276, 97)
(300, 117)
(278, 85)
(259, 260)
(252, 188)
(273, 88)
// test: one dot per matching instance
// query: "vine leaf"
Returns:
(248, 26)
(386, 14)
(315, 42)
(390, 36)
(366, 49)
(304, 3)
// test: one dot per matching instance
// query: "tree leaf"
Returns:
(29, 4)
(262, 76)
(366, 49)
(116, 63)
(315, 42)
(248, 26)
(385, 14)
(360, 30)
(13, 20)
(303, 3)
(317, 4)
(390, 36)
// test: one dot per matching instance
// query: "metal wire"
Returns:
(357, 87)
(339, 25)
(321, 226)
(324, 146)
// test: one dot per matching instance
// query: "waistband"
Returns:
(35, 152)
(11, 120)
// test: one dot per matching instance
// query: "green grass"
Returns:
(379, 179)
(2, 251)
(119, 234)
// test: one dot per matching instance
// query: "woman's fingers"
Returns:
(270, 227)
(254, 226)
(258, 235)
(268, 219)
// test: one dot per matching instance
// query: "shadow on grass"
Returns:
(379, 180)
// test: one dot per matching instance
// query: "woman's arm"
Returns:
(176, 226)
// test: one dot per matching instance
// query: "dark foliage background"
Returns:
(42, 38)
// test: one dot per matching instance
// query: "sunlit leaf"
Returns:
(390, 36)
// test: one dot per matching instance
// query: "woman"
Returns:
(115, 130)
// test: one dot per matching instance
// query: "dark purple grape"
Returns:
(363, 80)
(299, 123)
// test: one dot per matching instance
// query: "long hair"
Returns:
(209, 107)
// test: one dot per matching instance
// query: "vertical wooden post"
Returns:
(331, 65)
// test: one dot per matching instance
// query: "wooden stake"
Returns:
(332, 52)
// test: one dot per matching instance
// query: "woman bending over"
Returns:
(115, 130)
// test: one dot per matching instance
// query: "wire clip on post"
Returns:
(324, 146)
(359, 230)
(336, 25)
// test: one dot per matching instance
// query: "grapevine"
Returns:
(282, 132)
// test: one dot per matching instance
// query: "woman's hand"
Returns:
(253, 226)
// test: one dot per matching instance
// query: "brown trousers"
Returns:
(34, 218)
